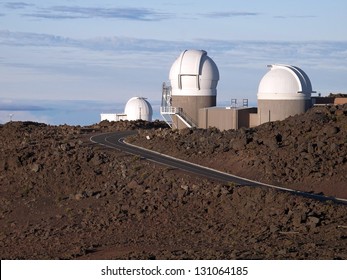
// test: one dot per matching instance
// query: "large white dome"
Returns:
(138, 108)
(194, 74)
(285, 82)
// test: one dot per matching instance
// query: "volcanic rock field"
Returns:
(64, 197)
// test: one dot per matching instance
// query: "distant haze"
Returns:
(72, 112)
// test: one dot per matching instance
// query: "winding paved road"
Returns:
(115, 140)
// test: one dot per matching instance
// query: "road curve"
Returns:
(115, 140)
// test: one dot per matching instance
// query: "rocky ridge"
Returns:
(305, 152)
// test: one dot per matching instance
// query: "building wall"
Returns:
(113, 117)
(225, 118)
(329, 100)
(244, 115)
(204, 113)
(203, 118)
(278, 110)
(221, 118)
(322, 100)
(253, 120)
(191, 106)
(340, 100)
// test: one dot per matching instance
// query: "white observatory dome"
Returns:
(138, 108)
(285, 82)
(194, 74)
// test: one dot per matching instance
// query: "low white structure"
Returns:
(137, 108)
(113, 117)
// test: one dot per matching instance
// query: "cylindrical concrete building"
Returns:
(194, 77)
(138, 108)
(284, 91)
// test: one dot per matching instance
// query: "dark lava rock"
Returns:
(62, 197)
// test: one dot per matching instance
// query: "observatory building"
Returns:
(190, 98)
(284, 91)
(193, 77)
(137, 108)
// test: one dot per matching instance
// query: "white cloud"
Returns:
(137, 50)
(47, 65)
(79, 12)
(17, 5)
(229, 14)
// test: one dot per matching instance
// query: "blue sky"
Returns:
(67, 61)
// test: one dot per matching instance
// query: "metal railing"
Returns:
(235, 103)
(169, 110)
(187, 118)
(166, 110)
(178, 111)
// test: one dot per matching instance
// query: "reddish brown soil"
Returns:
(62, 197)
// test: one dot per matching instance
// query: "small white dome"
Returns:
(285, 82)
(194, 73)
(138, 108)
